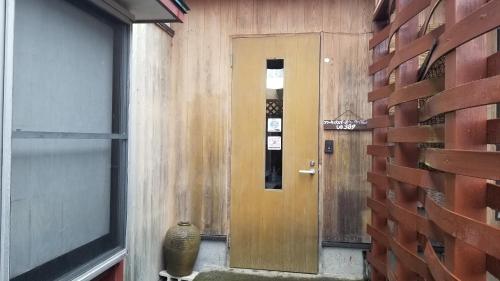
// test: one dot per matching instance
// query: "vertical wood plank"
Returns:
(177, 170)
(263, 14)
(406, 154)
(313, 19)
(296, 16)
(245, 17)
(213, 180)
(379, 137)
(465, 129)
(228, 28)
(279, 18)
(345, 186)
(331, 16)
(149, 213)
(196, 52)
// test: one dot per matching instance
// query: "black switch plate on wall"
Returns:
(328, 146)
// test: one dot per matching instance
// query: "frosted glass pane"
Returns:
(60, 198)
(63, 69)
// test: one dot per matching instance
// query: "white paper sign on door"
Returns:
(274, 125)
(274, 143)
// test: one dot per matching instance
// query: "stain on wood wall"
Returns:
(344, 92)
(199, 109)
(150, 202)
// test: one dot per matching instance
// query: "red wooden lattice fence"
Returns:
(433, 176)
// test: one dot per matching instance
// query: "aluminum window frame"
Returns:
(120, 95)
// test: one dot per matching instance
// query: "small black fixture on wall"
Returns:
(329, 146)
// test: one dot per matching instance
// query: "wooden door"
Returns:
(275, 228)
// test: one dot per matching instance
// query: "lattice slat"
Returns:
(428, 158)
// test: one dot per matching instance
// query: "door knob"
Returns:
(308, 172)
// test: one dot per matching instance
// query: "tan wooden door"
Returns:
(275, 229)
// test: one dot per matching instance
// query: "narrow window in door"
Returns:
(274, 123)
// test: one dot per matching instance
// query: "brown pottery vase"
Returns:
(181, 247)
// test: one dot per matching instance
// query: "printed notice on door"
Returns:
(274, 125)
(273, 143)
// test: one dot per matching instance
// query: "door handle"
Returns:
(308, 172)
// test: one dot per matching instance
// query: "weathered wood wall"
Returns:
(150, 202)
(199, 109)
(344, 173)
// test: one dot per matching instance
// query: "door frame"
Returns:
(230, 136)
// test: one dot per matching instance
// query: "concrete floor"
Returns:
(232, 276)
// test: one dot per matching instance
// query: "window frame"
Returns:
(120, 94)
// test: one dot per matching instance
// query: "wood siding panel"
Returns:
(263, 10)
(200, 104)
(150, 202)
(245, 20)
(313, 20)
(344, 87)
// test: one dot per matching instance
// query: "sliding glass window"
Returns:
(69, 134)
